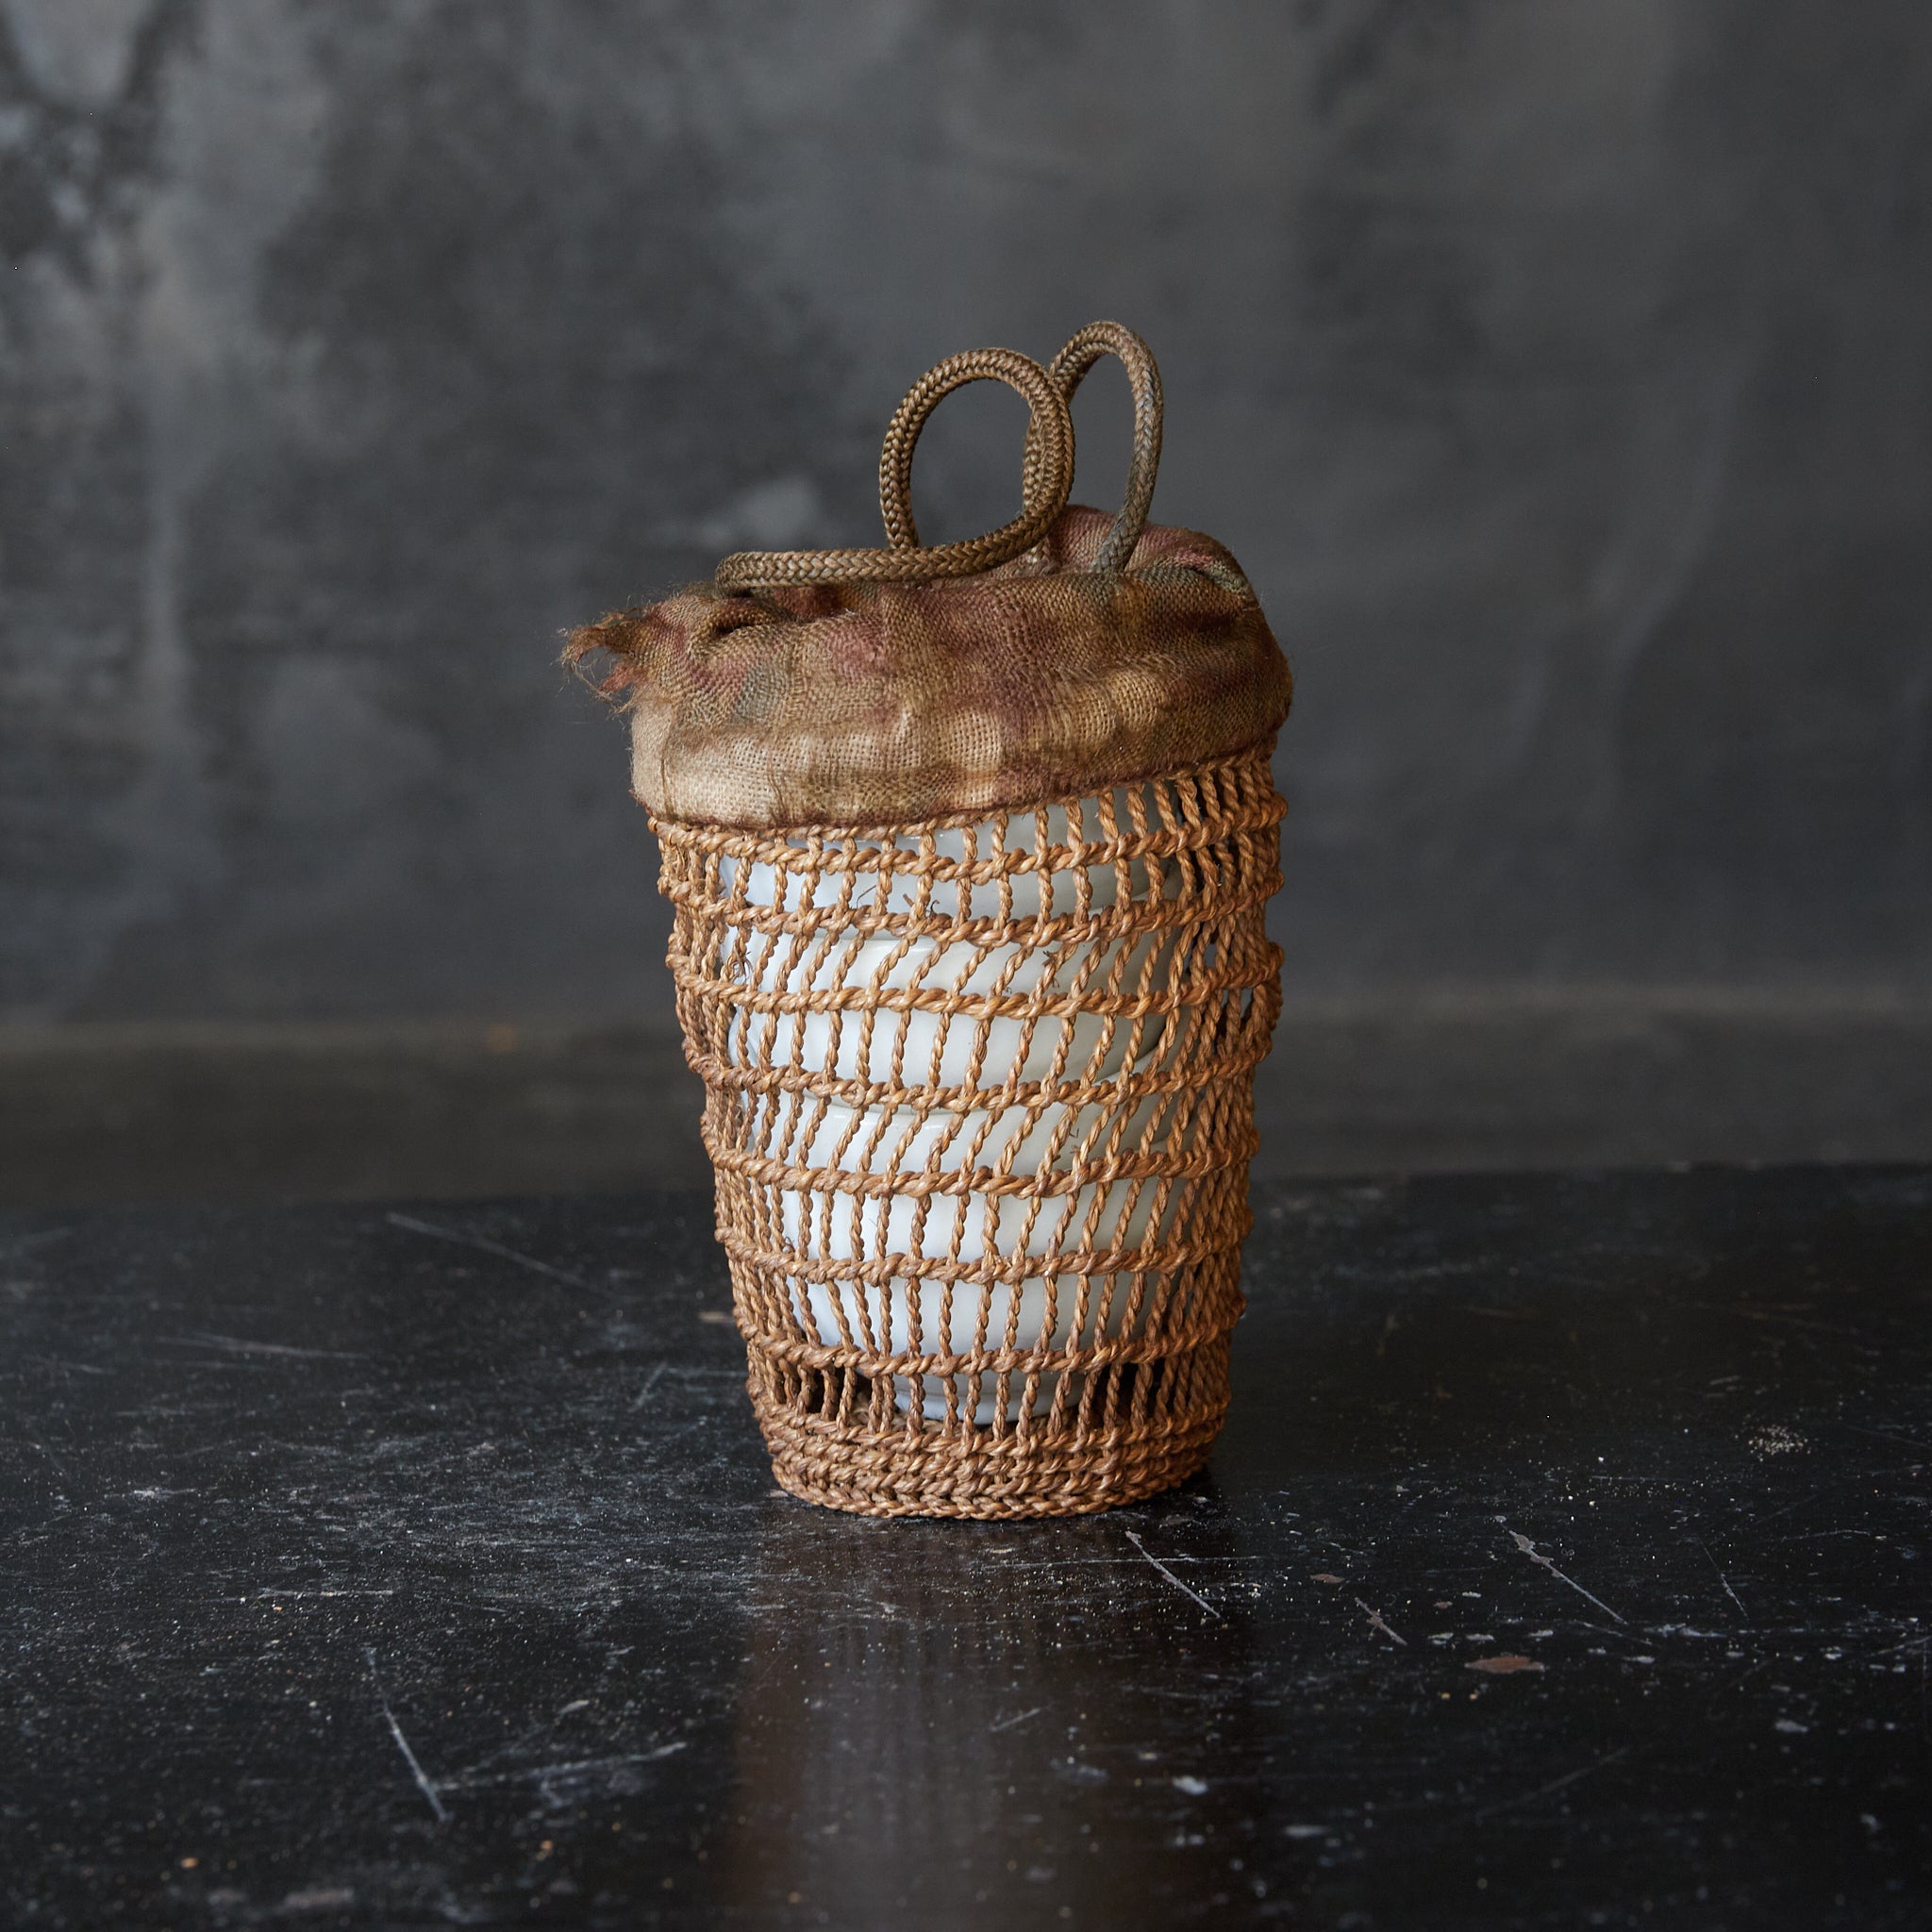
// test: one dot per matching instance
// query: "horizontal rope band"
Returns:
(889, 1271)
(971, 1007)
(845, 848)
(978, 1183)
(1073, 1090)
(932, 1461)
(992, 1361)
(1212, 901)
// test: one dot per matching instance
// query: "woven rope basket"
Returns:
(979, 1093)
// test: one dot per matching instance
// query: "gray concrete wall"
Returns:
(1560, 370)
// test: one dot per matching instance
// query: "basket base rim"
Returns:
(958, 1488)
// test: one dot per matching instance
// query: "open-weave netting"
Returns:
(980, 1106)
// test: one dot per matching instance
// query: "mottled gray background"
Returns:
(1560, 370)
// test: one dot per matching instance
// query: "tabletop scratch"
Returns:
(464, 1238)
(1725, 1581)
(1921, 1644)
(1886, 1436)
(1556, 1784)
(1174, 1579)
(1007, 1724)
(237, 1344)
(1377, 1622)
(1778, 1316)
(424, 1783)
(1786, 1510)
(1542, 1563)
(581, 1767)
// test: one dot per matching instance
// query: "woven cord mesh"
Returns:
(979, 1099)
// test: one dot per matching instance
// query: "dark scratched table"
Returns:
(1565, 1562)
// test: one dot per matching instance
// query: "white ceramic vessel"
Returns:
(927, 1048)
(1020, 1131)
(1114, 1217)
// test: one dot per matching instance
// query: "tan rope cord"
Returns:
(1069, 368)
(981, 1153)
(1048, 480)
(1040, 483)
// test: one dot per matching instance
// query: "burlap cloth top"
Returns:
(1065, 654)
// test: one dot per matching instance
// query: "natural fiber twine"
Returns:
(969, 850)
(1131, 1401)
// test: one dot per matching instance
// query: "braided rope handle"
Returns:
(1046, 471)
(1047, 486)
(1069, 368)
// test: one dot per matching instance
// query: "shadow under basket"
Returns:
(980, 1107)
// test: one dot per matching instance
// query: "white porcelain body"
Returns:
(964, 1055)
(926, 1047)
(1113, 1217)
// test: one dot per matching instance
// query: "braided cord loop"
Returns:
(1049, 479)
(1067, 369)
